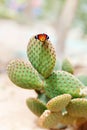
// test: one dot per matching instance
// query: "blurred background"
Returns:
(65, 21)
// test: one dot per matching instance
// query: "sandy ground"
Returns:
(14, 114)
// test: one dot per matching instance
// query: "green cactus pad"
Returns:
(24, 75)
(67, 119)
(58, 103)
(42, 56)
(61, 82)
(77, 107)
(36, 106)
(83, 79)
(67, 66)
(50, 119)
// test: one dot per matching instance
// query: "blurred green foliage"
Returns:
(81, 16)
(2, 1)
(8, 10)
(51, 10)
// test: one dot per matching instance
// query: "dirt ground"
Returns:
(14, 114)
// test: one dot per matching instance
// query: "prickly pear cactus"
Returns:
(24, 75)
(61, 82)
(67, 66)
(60, 97)
(42, 55)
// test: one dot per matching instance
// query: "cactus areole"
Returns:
(59, 93)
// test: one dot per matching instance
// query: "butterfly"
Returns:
(42, 37)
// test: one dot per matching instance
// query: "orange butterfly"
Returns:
(42, 37)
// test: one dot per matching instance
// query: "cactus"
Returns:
(59, 93)
(51, 119)
(58, 103)
(77, 107)
(42, 56)
(36, 106)
(24, 75)
(67, 66)
(61, 82)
